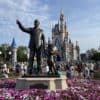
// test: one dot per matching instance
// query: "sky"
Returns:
(82, 18)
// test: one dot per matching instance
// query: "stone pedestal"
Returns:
(42, 83)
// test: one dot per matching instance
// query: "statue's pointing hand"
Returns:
(17, 22)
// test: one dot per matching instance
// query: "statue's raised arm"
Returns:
(28, 30)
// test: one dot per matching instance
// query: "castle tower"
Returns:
(14, 52)
(60, 34)
(70, 50)
(76, 52)
(62, 26)
(60, 38)
(65, 46)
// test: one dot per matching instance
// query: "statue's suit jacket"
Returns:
(37, 38)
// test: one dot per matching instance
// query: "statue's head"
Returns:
(36, 23)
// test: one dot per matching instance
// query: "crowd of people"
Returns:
(71, 70)
(83, 70)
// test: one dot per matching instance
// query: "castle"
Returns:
(66, 49)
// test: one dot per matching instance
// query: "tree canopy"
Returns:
(5, 53)
(93, 54)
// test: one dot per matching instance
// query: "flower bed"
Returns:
(79, 89)
(9, 83)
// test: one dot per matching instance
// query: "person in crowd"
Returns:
(86, 71)
(5, 70)
(79, 69)
(75, 70)
(25, 69)
(34, 68)
(17, 68)
(22, 69)
(47, 69)
(72, 70)
(68, 72)
(91, 70)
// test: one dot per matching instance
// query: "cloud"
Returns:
(83, 25)
(82, 19)
(24, 10)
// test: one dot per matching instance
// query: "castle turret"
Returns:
(62, 26)
(76, 52)
(70, 48)
(66, 31)
(61, 21)
(14, 52)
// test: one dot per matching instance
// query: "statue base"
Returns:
(51, 83)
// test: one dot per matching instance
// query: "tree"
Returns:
(5, 55)
(96, 56)
(4, 52)
(93, 54)
(21, 54)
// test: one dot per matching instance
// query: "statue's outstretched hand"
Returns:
(22, 27)
(17, 22)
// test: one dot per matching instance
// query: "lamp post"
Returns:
(9, 52)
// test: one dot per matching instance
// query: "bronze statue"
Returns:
(37, 41)
(50, 59)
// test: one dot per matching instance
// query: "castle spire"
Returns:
(70, 41)
(77, 46)
(65, 24)
(76, 43)
(49, 40)
(14, 52)
(77, 51)
(62, 12)
(61, 15)
(13, 44)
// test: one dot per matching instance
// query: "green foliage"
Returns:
(96, 56)
(5, 56)
(22, 54)
(93, 54)
(4, 49)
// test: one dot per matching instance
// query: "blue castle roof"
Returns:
(13, 45)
